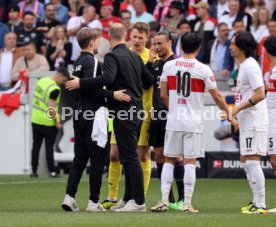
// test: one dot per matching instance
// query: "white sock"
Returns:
(189, 182)
(166, 180)
(248, 179)
(257, 181)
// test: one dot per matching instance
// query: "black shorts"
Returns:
(157, 132)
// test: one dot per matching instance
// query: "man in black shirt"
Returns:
(162, 44)
(124, 69)
(30, 34)
(87, 102)
(47, 26)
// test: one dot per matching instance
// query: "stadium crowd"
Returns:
(52, 26)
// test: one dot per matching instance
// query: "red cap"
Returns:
(107, 3)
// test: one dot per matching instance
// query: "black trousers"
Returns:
(127, 134)
(48, 133)
(85, 150)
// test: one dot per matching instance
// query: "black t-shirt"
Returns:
(31, 36)
(50, 25)
(156, 69)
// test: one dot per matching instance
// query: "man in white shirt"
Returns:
(8, 57)
(270, 46)
(251, 110)
(78, 22)
(229, 18)
(140, 14)
(218, 8)
(183, 83)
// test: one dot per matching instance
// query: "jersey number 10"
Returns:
(183, 83)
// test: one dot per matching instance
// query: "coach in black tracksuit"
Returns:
(85, 67)
(124, 69)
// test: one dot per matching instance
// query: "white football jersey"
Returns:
(271, 99)
(187, 80)
(249, 79)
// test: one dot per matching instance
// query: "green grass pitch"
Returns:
(36, 202)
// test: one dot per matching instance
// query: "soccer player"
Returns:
(162, 46)
(270, 46)
(183, 83)
(139, 37)
(251, 110)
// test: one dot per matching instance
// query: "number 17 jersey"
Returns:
(187, 80)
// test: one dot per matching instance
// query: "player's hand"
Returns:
(233, 111)
(235, 123)
(73, 84)
(121, 96)
(58, 125)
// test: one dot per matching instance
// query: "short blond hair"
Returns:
(85, 35)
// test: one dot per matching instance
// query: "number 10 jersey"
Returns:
(187, 80)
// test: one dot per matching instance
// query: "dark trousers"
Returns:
(85, 150)
(127, 134)
(49, 134)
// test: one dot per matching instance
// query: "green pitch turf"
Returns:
(36, 202)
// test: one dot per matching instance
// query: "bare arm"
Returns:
(164, 93)
(219, 99)
(259, 95)
(53, 114)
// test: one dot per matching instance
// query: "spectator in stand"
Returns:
(229, 18)
(59, 50)
(161, 11)
(125, 16)
(140, 14)
(175, 16)
(15, 23)
(274, 10)
(262, 54)
(8, 56)
(229, 64)
(29, 62)
(47, 26)
(260, 20)
(30, 34)
(218, 8)
(217, 48)
(4, 29)
(61, 12)
(253, 6)
(127, 5)
(107, 19)
(34, 6)
(205, 27)
(183, 27)
(78, 22)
